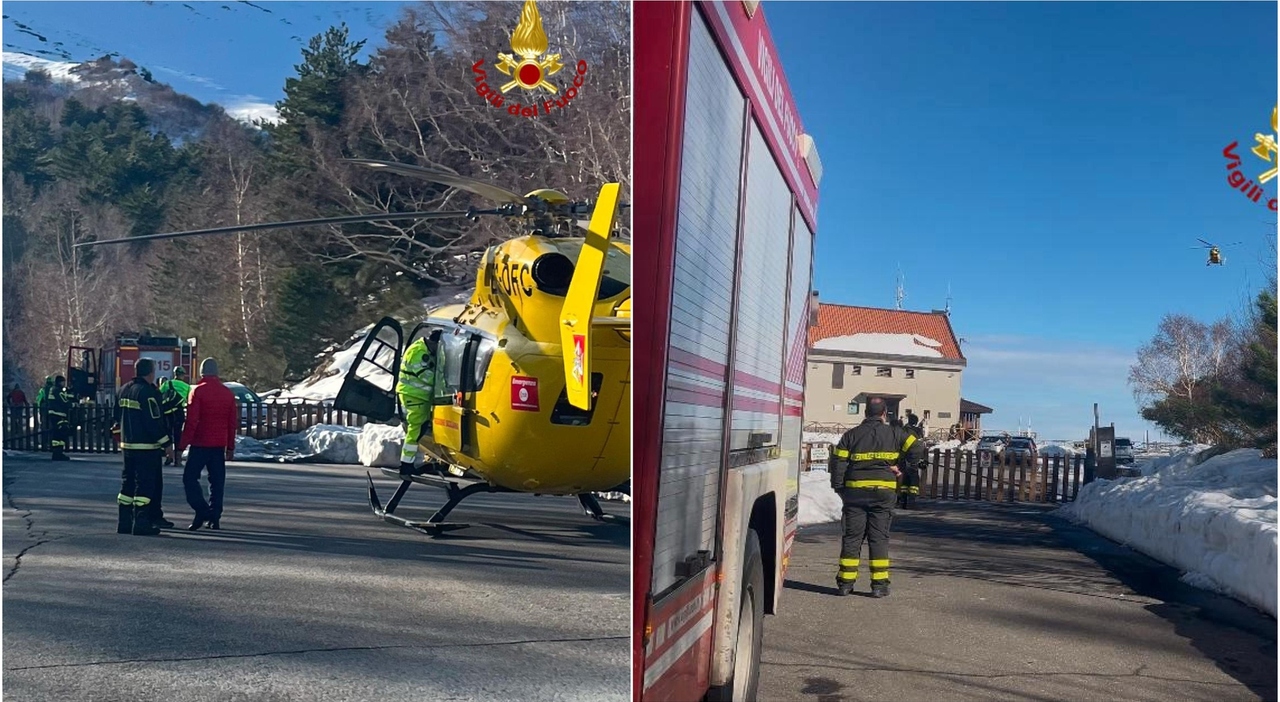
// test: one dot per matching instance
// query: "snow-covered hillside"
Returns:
(1214, 519)
(325, 383)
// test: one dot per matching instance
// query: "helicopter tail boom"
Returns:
(576, 316)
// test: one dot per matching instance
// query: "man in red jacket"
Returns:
(210, 431)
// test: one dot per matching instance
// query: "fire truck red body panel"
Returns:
(729, 183)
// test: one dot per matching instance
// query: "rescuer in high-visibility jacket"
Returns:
(57, 405)
(43, 417)
(417, 391)
(144, 438)
(175, 393)
(864, 472)
(909, 489)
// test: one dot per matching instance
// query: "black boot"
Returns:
(196, 523)
(845, 587)
(406, 469)
(125, 525)
(880, 588)
(142, 525)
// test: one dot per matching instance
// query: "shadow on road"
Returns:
(978, 539)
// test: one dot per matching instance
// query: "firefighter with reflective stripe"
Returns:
(144, 438)
(864, 471)
(417, 391)
(175, 393)
(57, 404)
(909, 489)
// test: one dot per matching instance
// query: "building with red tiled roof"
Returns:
(911, 359)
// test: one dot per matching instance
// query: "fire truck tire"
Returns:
(748, 644)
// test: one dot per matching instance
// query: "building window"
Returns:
(926, 414)
(837, 376)
(853, 408)
(944, 415)
(884, 372)
(911, 373)
(855, 370)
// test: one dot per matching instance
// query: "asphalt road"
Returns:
(305, 595)
(1001, 602)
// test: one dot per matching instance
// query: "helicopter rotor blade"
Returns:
(350, 219)
(1202, 241)
(453, 180)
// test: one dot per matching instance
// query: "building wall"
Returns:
(935, 387)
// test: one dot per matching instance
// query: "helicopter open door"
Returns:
(370, 386)
(579, 304)
(82, 372)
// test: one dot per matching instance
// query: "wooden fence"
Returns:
(964, 475)
(26, 430)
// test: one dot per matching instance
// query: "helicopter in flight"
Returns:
(1215, 252)
(536, 364)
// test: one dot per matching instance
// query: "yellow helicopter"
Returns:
(1215, 252)
(537, 363)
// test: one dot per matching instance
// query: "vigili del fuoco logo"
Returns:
(1267, 151)
(529, 69)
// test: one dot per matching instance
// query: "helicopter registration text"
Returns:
(524, 393)
(510, 279)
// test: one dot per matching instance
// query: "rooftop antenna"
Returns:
(948, 307)
(900, 294)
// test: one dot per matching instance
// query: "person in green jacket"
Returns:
(41, 415)
(417, 391)
(175, 393)
(44, 391)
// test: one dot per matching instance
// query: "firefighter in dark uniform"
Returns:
(57, 404)
(864, 472)
(144, 438)
(909, 489)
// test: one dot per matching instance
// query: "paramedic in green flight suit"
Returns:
(417, 390)
(41, 414)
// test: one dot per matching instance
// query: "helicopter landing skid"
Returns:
(457, 491)
(591, 507)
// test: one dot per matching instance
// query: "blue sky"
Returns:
(1053, 162)
(236, 54)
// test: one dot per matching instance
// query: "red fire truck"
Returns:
(729, 182)
(100, 373)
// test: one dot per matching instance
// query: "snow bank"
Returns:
(813, 437)
(819, 504)
(322, 443)
(897, 344)
(379, 445)
(1215, 520)
(1057, 450)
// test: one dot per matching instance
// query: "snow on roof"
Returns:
(896, 344)
(847, 320)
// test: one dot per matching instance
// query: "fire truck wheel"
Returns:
(741, 687)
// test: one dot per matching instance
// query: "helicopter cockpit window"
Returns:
(614, 280)
(453, 355)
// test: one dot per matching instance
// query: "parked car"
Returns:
(1021, 448)
(251, 410)
(993, 444)
(1124, 451)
